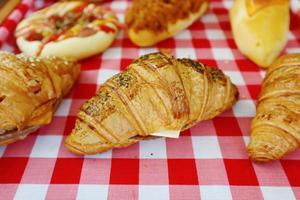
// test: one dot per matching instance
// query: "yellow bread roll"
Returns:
(260, 28)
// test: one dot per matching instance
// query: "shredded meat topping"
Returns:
(156, 14)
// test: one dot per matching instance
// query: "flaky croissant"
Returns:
(156, 93)
(260, 28)
(30, 90)
(275, 130)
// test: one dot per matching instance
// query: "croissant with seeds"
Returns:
(157, 93)
(275, 129)
(30, 90)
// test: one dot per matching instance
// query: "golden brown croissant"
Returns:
(30, 90)
(260, 28)
(275, 130)
(156, 93)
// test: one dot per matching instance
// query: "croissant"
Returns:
(156, 93)
(260, 28)
(275, 130)
(30, 90)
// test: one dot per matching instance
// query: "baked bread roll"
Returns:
(151, 21)
(157, 93)
(260, 28)
(74, 30)
(30, 90)
(275, 130)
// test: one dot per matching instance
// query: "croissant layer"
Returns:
(30, 90)
(156, 93)
(275, 130)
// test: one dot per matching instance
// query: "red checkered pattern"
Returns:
(209, 161)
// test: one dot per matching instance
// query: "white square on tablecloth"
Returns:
(64, 108)
(244, 108)
(215, 192)
(277, 193)
(155, 148)
(2, 149)
(151, 192)
(215, 34)
(185, 34)
(106, 154)
(222, 53)
(119, 5)
(262, 74)
(46, 146)
(235, 76)
(206, 147)
(186, 53)
(292, 50)
(31, 191)
(87, 192)
(246, 140)
(209, 18)
(112, 53)
(105, 74)
(228, 4)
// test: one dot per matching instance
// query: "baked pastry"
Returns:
(30, 90)
(74, 29)
(157, 93)
(275, 130)
(260, 28)
(151, 21)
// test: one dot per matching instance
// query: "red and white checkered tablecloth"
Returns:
(209, 161)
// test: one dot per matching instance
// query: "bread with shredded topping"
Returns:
(151, 21)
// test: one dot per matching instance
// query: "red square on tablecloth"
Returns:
(11, 169)
(91, 63)
(124, 171)
(182, 172)
(254, 91)
(201, 43)
(227, 126)
(240, 172)
(292, 170)
(67, 171)
(84, 91)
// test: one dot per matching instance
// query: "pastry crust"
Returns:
(260, 28)
(30, 90)
(156, 93)
(70, 39)
(167, 19)
(275, 130)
